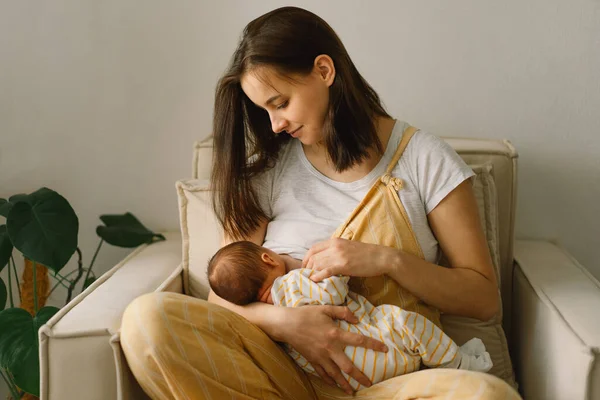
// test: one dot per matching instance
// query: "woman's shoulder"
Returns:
(426, 148)
(422, 141)
(425, 142)
(434, 167)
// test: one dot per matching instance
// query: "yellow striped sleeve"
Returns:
(340, 295)
(385, 356)
(445, 352)
(438, 345)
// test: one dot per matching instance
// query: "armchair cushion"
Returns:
(556, 335)
(80, 356)
(201, 234)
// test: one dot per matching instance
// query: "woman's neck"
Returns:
(319, 158)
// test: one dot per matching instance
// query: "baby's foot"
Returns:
(473, 347)
(474, 356)
(481, 362)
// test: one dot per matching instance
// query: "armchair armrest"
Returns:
(78, 359)
(556, 324)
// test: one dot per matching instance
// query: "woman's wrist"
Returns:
(394, 261)
(273, 323)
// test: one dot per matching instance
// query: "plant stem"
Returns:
(63, 278)
(79, 274)
(60, 281)
(35, 302)
(12, 304)
(92, 263)
(13, 391)
(20, 392)
(17, 278)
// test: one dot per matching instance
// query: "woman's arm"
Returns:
(263, 315)
(469, 287)
(260, 314)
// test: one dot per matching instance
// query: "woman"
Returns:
(318, 138)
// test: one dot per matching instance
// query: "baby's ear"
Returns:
(266, 258)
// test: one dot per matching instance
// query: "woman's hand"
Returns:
(313, 333)
(348, 257)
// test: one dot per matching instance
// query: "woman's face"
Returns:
(297, 107)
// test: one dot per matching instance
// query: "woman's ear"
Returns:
(325, 68)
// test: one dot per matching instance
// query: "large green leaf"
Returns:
(4, 207)
(19, 345)
(125, 230)
(44, 227)
(3, 294)
(7, 205)
(6, 247)
(19, 197)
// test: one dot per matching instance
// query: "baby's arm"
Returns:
(297, 289)
(334, 288)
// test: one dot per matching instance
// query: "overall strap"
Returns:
(406, 136)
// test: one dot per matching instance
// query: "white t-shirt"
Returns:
(306, 207)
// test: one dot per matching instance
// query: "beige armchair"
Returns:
(551, 303)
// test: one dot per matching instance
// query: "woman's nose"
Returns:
(278, 124)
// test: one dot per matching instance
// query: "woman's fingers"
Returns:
(322, 274)
(324, 375)
(358, 340)
(316, 248)
(326, 353)
(334, 372)
(339, 312)
(323, 266)
(317, 261)
(309, 263)
(347, 366)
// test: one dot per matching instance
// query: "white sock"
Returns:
(474, 357)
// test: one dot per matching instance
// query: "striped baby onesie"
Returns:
(410, 337)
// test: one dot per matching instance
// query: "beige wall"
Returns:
(102, 101)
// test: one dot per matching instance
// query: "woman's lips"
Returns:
(294, 134)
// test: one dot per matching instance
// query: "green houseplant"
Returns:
(44, 228)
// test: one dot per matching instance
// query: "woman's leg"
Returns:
(431, 384)
(181, 347)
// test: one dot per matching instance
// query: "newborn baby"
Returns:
(243, 272)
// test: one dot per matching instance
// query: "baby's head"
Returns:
(243, 272)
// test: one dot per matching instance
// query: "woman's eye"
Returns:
(282, 105)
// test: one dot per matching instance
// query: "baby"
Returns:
(243, 272)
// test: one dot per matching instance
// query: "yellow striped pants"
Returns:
(181, 347)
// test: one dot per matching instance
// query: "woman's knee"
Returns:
(149, 318)
(443, 383)
(483, 385)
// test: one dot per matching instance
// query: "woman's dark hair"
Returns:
(287, 40)
(236, 272)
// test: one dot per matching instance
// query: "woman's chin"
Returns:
(307, 140)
